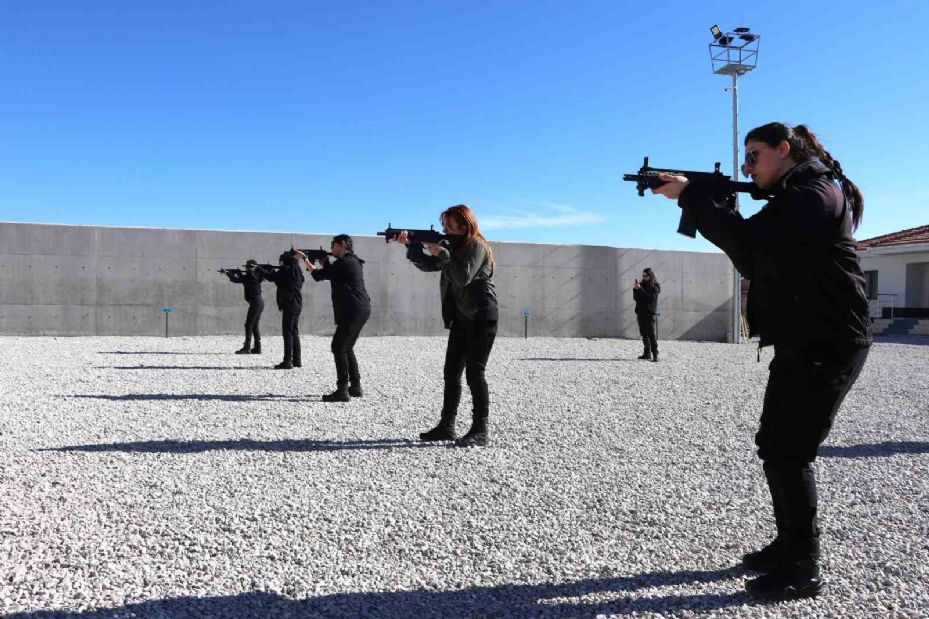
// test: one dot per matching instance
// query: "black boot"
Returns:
(354, 376)
(286, 364)
(445, 431)
(476, 436)
(244, 350)
(767, 559)
(339, 395)
(297, 363)
(257, 349)
(655, 357)
(771, 556)
(790, 581)
(645, 356)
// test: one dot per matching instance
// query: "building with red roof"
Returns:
(896, 266)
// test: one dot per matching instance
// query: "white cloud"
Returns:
(558, 216)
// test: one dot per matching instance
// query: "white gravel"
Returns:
(148, 477)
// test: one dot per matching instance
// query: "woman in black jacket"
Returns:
(807, 300)
(289, 280)
(251, 280)
(352, 308)
(469, 310)
(645, 295)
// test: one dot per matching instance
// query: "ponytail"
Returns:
(804, 145)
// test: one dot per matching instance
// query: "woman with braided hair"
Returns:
(807, 300)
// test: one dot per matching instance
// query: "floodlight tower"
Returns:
(734, 53)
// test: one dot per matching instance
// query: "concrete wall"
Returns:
(83, 280)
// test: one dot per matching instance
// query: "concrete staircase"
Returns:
(900, 326)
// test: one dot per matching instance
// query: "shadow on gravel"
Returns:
(569, 359)
(221, 397)
(543, 600)
(915, 340)
(245, 444)
(874, 450)
(189, 367)
(159, 352)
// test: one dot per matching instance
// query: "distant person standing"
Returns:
(351, 307)
(645, 294)
(251, 280)
(289, 280)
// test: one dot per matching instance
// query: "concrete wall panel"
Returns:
(85, 280)
(48, 240)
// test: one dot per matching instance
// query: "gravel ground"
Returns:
(145, 477)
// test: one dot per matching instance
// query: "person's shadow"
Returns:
(219, 397)
(873, 450)
(158, 352)
(245, 444)
(189, 367)
(614, 595)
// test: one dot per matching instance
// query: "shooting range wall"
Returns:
(88, 280)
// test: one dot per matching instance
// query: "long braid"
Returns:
(808, 145)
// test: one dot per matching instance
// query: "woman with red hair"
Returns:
(469, 310)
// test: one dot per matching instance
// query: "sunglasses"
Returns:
(751, 159)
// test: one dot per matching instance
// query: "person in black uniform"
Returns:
(351, 307)
(251, 280)
(469, 310)
(807, 300)
(289, 280)
(645, 295)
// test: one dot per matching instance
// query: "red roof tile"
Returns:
(904, 237)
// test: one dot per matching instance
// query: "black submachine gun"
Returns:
(422, 236)
(722, 186)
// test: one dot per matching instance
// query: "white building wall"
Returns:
(890, 263)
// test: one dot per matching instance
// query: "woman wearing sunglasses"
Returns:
(807, 300)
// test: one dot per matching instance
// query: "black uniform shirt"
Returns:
(646, 298)
(289, 280)
(250, 279)
(349, 298)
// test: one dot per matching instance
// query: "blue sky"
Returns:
(338, 117)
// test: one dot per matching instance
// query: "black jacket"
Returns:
(646, 298)
(251, 280)
(350, 300)
(798, 252)
(289, 280)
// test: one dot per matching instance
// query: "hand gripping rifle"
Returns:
(719, 185)
(422, 236)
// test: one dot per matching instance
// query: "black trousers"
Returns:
(255, 307)
(469, 345)
(290, 329)
(343, 351)
(805, 389)
(647, 329)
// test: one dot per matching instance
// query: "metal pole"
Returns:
(526, 325)
(736, 278)
(166, 324)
